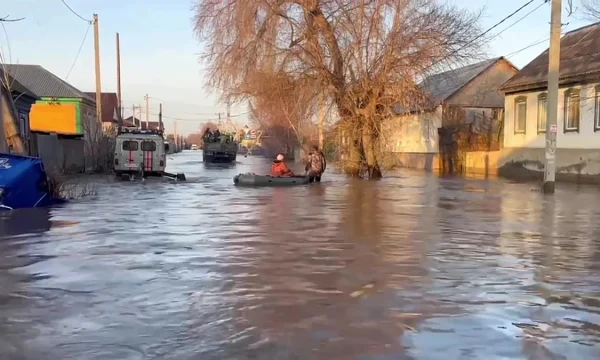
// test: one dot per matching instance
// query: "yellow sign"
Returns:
(54, 118)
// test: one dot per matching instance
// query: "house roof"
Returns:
(440, 87)
(152, 125)
(109, 105)
(43, 83)
(16, 86)
(130, 121)
(579, 59)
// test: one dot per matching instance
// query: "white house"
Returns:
(578, 128)
(467, 96)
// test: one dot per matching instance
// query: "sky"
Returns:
(159, 51)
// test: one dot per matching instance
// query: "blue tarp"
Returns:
(23, 182)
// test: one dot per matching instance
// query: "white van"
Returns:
(140, 152)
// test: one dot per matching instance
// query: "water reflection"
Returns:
(410, 267)
(24, 222)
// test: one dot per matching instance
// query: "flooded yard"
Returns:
(410, 267)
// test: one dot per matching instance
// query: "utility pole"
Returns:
(160, 123)
(119, 98)
(98, 79)
(147, 111)
(553, 76)
(175, 135)
(139, 107)
(133, 115)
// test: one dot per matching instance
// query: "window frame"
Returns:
(543, 97)
(137, 146)
(148, 142)
(518, 101)
(570, 93)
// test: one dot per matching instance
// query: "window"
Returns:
(130, 145)
(597, 109)
(542, 113)
(572, 102)
(520, 114)
(148, 146)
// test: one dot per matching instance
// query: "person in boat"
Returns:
(316, 164)
(279, 167)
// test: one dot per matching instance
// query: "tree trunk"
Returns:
(369, 140)
(352, 165)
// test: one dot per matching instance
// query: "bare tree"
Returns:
(197, 138)
(590, 9)
(364, 55)
(282, 107)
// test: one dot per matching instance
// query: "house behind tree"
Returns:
(462, 107)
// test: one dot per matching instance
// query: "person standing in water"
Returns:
(316, 164)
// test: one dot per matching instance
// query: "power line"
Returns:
(518, 21)
(79, 51)
(197, 119)
(526, 47)
(74, 12)
(530, 46)
(181, 103)
(485, 32)
(211, 119)
(498, 24)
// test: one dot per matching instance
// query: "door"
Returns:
(128, 155)
(148, 148)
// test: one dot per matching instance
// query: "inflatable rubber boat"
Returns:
(268, 180)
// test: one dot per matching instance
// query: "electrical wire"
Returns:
(79, 51)
(518, 21)
(199, 120)
(526, 47)
(74, 12)
(498, 24)
(486, 32)
(181, 103)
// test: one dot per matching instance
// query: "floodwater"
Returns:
(410, 267)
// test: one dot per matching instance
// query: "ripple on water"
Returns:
(411, 267)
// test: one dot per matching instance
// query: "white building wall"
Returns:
(415, 133)
(586, 138)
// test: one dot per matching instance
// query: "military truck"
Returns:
(219, 148)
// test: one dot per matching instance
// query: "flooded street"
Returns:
(410, 267)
